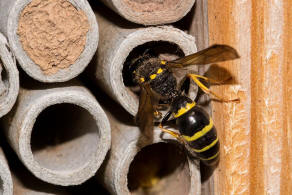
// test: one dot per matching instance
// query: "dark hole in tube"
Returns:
(159, 168)
(4, 84)
(64, 137)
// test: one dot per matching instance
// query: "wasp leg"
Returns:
(172, 133)
(212, 81)
(195, 77)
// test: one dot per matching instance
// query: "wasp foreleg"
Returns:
(195, 77)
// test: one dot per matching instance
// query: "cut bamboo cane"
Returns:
(117, 43)
(61, 63)
(151, 12)
(32, 186)
(60, 133)
(9, 78)
(25, 183)
(6, 187)
(161, 168)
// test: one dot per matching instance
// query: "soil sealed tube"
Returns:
(53, 40)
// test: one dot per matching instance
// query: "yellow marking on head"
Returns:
(183, 110)
(212, 157)
(142, 79)
(163, 62)
(160, 70)
(153, 76)
(199, 134)
(207, 147)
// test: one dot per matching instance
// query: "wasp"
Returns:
(158, 84)
(196, 129)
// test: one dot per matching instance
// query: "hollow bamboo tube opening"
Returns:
(151, 12)
(163, 50)
(61, 134)
(64, 137)
(118, 44)
(159, 167)
(53, 41)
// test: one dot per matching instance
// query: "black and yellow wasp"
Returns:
(158, 84)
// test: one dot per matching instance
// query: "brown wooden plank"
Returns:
(255, 134)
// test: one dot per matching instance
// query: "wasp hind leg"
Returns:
(172, 133)
(195, 77)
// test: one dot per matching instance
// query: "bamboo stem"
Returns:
(9, 23)
(145, 162)
(60, 133)
(9, 79)
(6, 187)
(116, 44)
(151, 12)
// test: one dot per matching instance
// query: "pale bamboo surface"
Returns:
(151, 12)
(255, 134)
(81, 144)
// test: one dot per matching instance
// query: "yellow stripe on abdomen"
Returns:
(212, 157)
(199, 134)
(185, 109)
(207, 147)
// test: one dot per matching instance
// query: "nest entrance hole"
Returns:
(64, 137)
(159, 168)
(158, 49)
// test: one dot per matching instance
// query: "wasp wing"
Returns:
(212, 54)
(144, 117)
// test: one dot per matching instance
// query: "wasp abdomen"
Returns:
(198, 130)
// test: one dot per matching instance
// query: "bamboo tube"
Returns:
(9, 79)
(6, 187)
(32, 186)
(24, 182)
(60, 133)
(162, 167)
(117, 43)
(255, 134)
(151, 12)
(46, 51)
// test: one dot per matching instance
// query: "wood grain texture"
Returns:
(255, 137)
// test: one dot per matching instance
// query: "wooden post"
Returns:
(255, 134)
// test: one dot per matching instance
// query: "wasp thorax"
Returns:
(146, 68)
